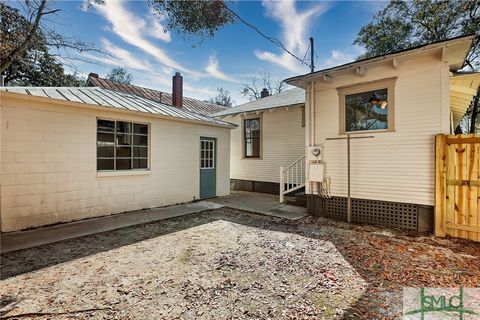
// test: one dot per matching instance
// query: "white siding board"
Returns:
(283, 141)
(393, 166)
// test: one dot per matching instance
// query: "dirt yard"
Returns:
(228, 264)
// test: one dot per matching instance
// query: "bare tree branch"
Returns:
(253, 90)
(38, 12)
(23, 45)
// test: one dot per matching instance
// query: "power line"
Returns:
(271, 39)
(305, 55)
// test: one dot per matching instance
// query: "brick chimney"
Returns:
(264, 93)
(177, 90)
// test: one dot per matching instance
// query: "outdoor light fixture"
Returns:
(374, 99)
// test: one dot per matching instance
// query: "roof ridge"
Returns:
(151, 89)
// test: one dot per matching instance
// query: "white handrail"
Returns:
(292, 177)
(294, 162)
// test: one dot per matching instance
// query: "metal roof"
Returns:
(295, 96)
(189, 104)
(113, 99)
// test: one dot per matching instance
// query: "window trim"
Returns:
(120, 173)
(131, 170)
(244, 150)
(388, 83)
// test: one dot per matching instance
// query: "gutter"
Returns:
(258, 110)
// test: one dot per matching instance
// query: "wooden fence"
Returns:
(457, 198)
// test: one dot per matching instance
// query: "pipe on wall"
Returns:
(309, 189)
(312, 113)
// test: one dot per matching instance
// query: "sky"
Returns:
(134, 38)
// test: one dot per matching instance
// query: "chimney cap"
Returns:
(177, 74)
(93, 75)
(264, 93)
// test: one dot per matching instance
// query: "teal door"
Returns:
(208, 167)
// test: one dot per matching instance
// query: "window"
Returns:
(366, 110)
(207, 154)
(252, 138)
(367, 107)
(121, 145)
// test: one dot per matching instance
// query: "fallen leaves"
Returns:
(235, 265)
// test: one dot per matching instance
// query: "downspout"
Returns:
(312, 113)
(311, 135)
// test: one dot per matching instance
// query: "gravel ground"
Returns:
(229, 264)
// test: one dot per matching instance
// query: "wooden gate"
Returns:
(457, 198)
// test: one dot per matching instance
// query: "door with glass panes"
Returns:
(208, 167)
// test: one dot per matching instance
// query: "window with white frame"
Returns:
(121, 145)
(207, 154)
(367, 107)
(252, 136)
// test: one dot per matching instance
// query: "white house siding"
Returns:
(283, 141)
(48, 165)
(393, 166)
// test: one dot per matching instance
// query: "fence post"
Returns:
(282, 185)
(440, 185)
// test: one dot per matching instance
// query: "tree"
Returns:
(402, 24)
(264, 80)
(34, 65)
(198, 18)
(201, 18)
(223, 98)
(120, 74)
(17, 36)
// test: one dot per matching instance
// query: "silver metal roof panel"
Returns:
(113, 99)
(285, 98)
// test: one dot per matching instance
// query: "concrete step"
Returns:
(299, 199)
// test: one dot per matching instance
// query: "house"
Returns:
(391, 107)
(175, 98)
(74, 153)
(270, 134)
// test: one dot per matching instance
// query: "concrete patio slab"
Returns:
(11, 241)
(266, 204)
(261, 203)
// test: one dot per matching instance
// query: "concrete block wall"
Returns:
(48, 164)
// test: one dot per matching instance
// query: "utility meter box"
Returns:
(315, 153)
(316, 172)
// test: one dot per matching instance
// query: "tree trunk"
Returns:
(12, 55)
